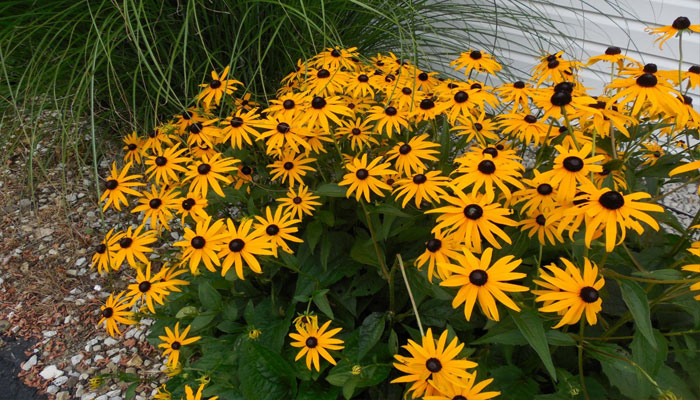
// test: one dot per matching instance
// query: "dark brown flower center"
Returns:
(362, 174)
(544, 189)
(519, 85)
(433, 245)
(236, 122)
(356, 131)
(108, 312)
(406, 91)
(459, 397)
(186, 115)
(647, 80)
(283, 127)
(198, 242)
(335, 53)
(288, 104)
(612, 200)
(553, 64)
(318, 102)
(478, 126)
(473, 211)
(423, 76)
(390, 111)
(530, 119)
(651, 68)
(203, 169)
(540, 219)
(125, 243)
(176, 345)
(589, 294)
(490, 151)
(246, 170)
(427, 104)
(486, 167)
(433, 365)
(475, 55)
(311, 342)
(187, 204)
(573, 164)
(215, 84)
(288, 165)
(297, 200)
(363, 78)
(560, 99)
(195, 128)
(236, 245)
(272, 229)
(478, 277)
(461, 97)
(613, 51)
(144, 286)
(681, 23)
(100, 248)
(405, 149)
(155, 203)
(419, 179)
(160, 161)
(111, 184)
(323, 74)
(132, 147)
(694, 69)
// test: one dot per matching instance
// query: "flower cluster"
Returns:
(386, 133)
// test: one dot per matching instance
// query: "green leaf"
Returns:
(662, 274)
(370, 333)
(321, 302)
(186, 312)
(530, 325)
(557, 338)
(313, 234)
(131, 391)
(326, 245)
(210, 298)
(330, 190)
(349, 388)
(263, 375)
(201, 321)
(636, 300)
(619, 371)
(388, 209)
(363, 252)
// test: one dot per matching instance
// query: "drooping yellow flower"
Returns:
(467, 389)
(679, 25)
(478, 279)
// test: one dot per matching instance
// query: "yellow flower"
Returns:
(132, 246)
(299, 202)
(315, 341)
(208, 172)
(174, 340)
(217, 87)
(133, 145)
(117, 185)
(105, 251)
(284, 130)
(277, 229)
(479, 169)
(477, 61)
(467, 389)
(571, 166)
(191, 395)
(388, 119)
(439, 249)
(409, 156)
(242, 245)
(362, 177)
(421, 186)
(116, 310)
(478, 279)
(164, 165)
(202, 244)
(148, 288)
(291, 168)
(679, 25)
(157, 206)
(239, 127)
(576, 293)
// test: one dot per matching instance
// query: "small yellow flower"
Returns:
(254, 334)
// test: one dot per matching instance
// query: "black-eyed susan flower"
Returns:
(322, 109)
(527, 128)
(553, 68)
(428, 109)
(148, 288)
(208, 172)
(202, 244)
(687, 116)
(200, 150)
(165, 165)
(518, 93)
(410, 156)
(362, 177)
(299, 202)
(239, 127)
(189, 116)
(133, 245)
(133, 148)
(192, 205)
(284, 130)
(315, 342)
(157, 206)
(648, 90)
(571, 167)
(538, 196)
(471, 217)
(607, 209)
(191, 395)
(478, 279)
(174, 340)
(291, 168)
(434, 361)
(475, 60)
(421, 186)
(204, 133)
(563, 99)
(608, 118)
(482, 170)
(467, 389)
(288, 105)
(117, 184)
(438, 249)
(169, 277)
(156, 138)
(482, 128)
(652, 153)
(337, 57)
(216, 88)
(358, 132)
(459, 104)
(544, 225)
(359, 85)
(116, 311)
(105, 251)
(277, 228)
(245, 103)
(389, 119)
(679, 25)
(326, 81)
(239, 245)
(613, 55)
(577, 294)
(425, 81)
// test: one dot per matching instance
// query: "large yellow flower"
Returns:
(242, 245)
(362, 177)
(117, 184)
(116, 310)
(165, 165)
(277, 228)
(576, 293)
(477, 279)
(299, 202)
(157, 206)
(475, 60)
(132, 246)
(292, 168)
(202, 244)
(174, 340)
(470, 217)
(409, 156)
(571, 167)
(315, 342)
(422, 186)
(208, 172)
(431, 361)
(679, 25)
(217, 87)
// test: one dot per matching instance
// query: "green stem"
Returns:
(382, 263)
(570, 129)
(614, 274)
(580, 360)
(410, 294)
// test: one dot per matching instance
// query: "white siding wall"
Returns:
(590, 26)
